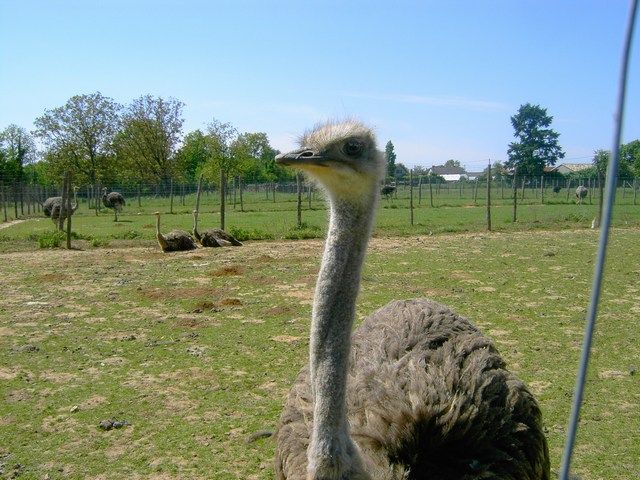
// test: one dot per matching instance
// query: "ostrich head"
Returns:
(342, 157)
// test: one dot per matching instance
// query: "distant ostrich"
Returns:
(113, 200)
(213, 237)
(55, 207)
(557, 188)
(581, 193)
(387, 190)
(417, 392)
(175, 240)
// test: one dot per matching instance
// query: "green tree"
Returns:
(401, 172)
(452, 163)
(146, 144)
(19, 149)
(221, 162)
(630, 155)
(193, 155)
(601, 161)
(79, 136)
(390, 156)
(537, 144)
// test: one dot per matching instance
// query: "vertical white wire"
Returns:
(596, 286)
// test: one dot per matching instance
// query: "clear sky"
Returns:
(440, 79)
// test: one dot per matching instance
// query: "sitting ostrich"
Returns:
(214, 237)
(113, 200)
(581, 193)
(55, 207)
(175, 240)
(417, 391)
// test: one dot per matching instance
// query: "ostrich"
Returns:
(55, 206)
(387, 190)
(48, 204)
(416, 392)
(113, 200)
(214, 237)
(175, 240)
(581, 193)
(557, 188)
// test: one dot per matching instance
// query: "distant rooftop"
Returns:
(447, 170)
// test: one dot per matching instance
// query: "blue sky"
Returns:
(440, 79)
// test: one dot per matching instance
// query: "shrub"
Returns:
(246, 234)
(304, 231)
(50, 239)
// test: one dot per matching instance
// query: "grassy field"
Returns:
(263, 218)
(196, 351)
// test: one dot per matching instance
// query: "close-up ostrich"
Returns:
(175, 240)
(54, 207)
(213, 237)
(581, 193)
(416, 392)
(114, 201)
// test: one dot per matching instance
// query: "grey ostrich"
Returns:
(416, 392)
(54, 206)
(581, 193)
(113, 200)
(175, 240)
(214, 237)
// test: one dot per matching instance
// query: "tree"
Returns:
(630, 155)
(601, 161)
(151, 130)
(537, 144)
(401, 172)
(221, 162)
(19, 150)
(390, 156)
(452, 163)
(79, 136)
(192, 155)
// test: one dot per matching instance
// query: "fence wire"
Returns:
(610, 192)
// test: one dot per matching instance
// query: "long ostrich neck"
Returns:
(333, 315)
(163, 243)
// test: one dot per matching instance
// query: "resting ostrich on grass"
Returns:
(581, 193)
(113, 200)
(416, 392)
(175, 240)
(213, 237)
(55, 206)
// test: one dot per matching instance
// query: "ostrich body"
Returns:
(214, 237)
(416, 392)
(113, 200)
(388, 190)
(55, 208)
(581, 193)
(175, 240)
(49, 203)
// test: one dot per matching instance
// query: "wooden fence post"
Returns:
(68, 210)
(430, 192)
(515, 194)
(542, 189)
(299, 198)
(3, 196)
(171, 195)
(411, 194)
(524, 181)
(489, 197)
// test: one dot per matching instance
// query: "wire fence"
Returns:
(22, 200)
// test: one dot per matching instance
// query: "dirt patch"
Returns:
(230, 302)
(179, 293)
(52, 277)
(228, 271)
(288, 339)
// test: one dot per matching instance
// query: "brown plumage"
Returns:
(213, 237)
(416, 392)
(174, 241)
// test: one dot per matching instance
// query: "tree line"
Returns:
(102, 142)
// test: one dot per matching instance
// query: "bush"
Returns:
(246, 234)
(97, 242)
(51, 239)
(304, 231)
(128, 235)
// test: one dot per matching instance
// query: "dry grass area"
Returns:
(195, 351)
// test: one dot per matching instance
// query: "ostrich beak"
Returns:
(304, 156)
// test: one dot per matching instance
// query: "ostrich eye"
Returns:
(353, 148)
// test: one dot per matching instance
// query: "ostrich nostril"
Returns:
(306, 153)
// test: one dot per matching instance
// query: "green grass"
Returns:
(264, 219)
(197, 350)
